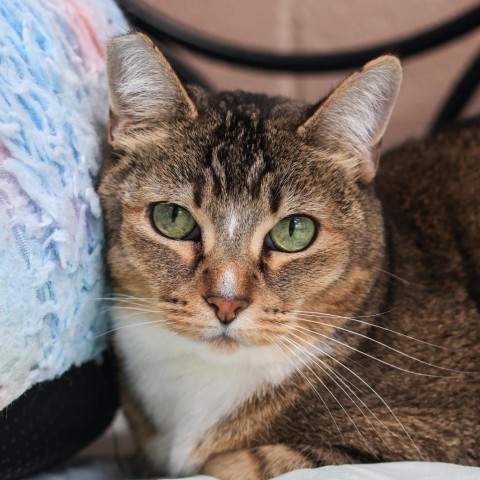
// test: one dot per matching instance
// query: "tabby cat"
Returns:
(279, 303)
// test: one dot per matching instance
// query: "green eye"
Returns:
(292, 234)
(173, 221)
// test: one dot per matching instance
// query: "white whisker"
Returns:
(323, 314)
(317, 393)
(138, 309)
(122, 295)
(375, 393)
(134, 301)
(396, 277)
(344, 381)
(157, 322)
(357, 319)
(383, 345)
(330, 392)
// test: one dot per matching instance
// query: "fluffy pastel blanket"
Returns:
(53, 112)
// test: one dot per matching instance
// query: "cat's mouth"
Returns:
(222, 340)
(224, 344)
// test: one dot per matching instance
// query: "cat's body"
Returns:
(379, 368)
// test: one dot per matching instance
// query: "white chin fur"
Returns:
(186, 387)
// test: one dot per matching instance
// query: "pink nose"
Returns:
(227, 309)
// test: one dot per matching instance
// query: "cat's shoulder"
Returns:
(440, 163)
(429, 189)
(452, 144)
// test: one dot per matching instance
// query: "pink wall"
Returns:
(323, 26)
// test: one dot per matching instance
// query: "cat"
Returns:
(280, 303)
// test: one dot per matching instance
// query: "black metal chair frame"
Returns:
(170, 33)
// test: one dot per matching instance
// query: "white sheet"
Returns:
(108, 470)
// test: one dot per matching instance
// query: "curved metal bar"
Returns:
(187, 73)
(460, 95)
(158, 25)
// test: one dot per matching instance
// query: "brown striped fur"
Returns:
(395, 272)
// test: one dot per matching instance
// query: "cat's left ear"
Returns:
(143, 87)
(355, 115)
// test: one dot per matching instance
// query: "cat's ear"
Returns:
(143, 87)
(357, 112)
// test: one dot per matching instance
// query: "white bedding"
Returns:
(108, 470)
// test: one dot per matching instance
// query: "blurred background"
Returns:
(316, 26)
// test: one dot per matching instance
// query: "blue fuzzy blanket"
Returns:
(53, 112)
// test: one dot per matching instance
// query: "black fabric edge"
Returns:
(55, 419)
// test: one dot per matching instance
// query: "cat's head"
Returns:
(230, 215)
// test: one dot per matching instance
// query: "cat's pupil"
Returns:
(291, 227)
(174, 213)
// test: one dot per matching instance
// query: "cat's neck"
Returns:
(185, 388)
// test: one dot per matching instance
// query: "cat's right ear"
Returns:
(356, 114)
(143, 87)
